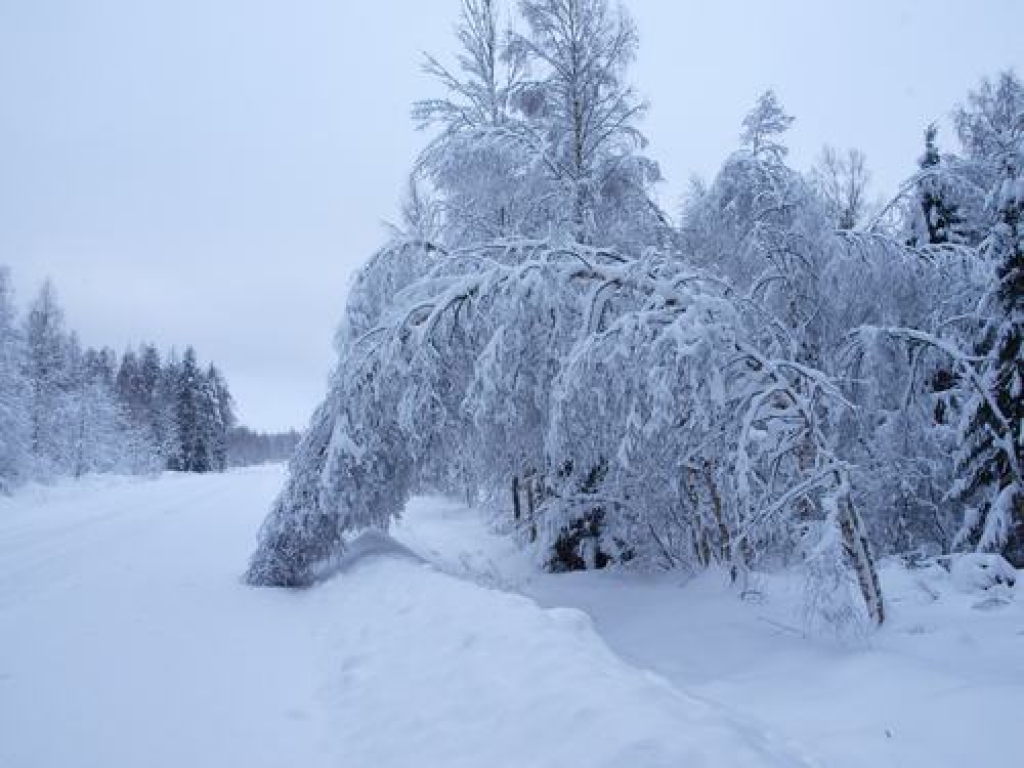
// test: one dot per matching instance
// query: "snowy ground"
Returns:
(126, 639)
(942, 684)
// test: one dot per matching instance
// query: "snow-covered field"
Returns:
(127, 639)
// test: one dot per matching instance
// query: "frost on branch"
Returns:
(750, 389)
(630, 386)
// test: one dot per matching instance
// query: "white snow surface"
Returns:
(940, 685)
(127, 639)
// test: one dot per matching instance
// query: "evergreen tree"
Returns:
(764, 125)
(128, 386)
(992, 431)
(14, 391)
(938, 219)
(168, 389)
(221, 417)
(47, 373)
(69, 410)
(157, 410)
(101, 366)
(191, 415)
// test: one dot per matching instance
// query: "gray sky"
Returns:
(212, 171)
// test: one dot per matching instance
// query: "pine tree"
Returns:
(992, 456)
(763, 126)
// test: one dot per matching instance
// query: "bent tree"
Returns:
(476, 365)
(775, 381)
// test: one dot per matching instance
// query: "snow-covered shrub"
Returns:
(976, 572)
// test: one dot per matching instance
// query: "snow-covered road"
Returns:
(127, 639)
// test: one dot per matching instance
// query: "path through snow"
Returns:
(127, 639)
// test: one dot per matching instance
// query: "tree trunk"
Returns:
(856, 542)
(530, 508)
(517, 511)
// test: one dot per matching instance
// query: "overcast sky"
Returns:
(212, 171)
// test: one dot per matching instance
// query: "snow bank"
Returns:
(431, 670)
(127, 639)
(939, 685)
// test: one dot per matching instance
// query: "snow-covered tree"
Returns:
(15, 427)
(101, 366)
(103, 435)
(992, 453)
(990, 127)
(128, 386)
(761, 227)
(950, 382)
(220, 417)
(841, 179)
(193, 452)
(536, 132)
(478, 160)
(935, 217)
(498, 360)
(763, 127)
(776, 383)
(157, 402)
(582, 115)
(66, 410)
(203, 413)
(167, 395)
(47, 368)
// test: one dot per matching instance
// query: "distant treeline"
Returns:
(246, 447)
(68, 410)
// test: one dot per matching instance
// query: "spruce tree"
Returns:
(993, 444)
(127, 386)
(156, 413)
(939, 216)
(193, 429)
(168, 389)
(101, 366)
(221, 417)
